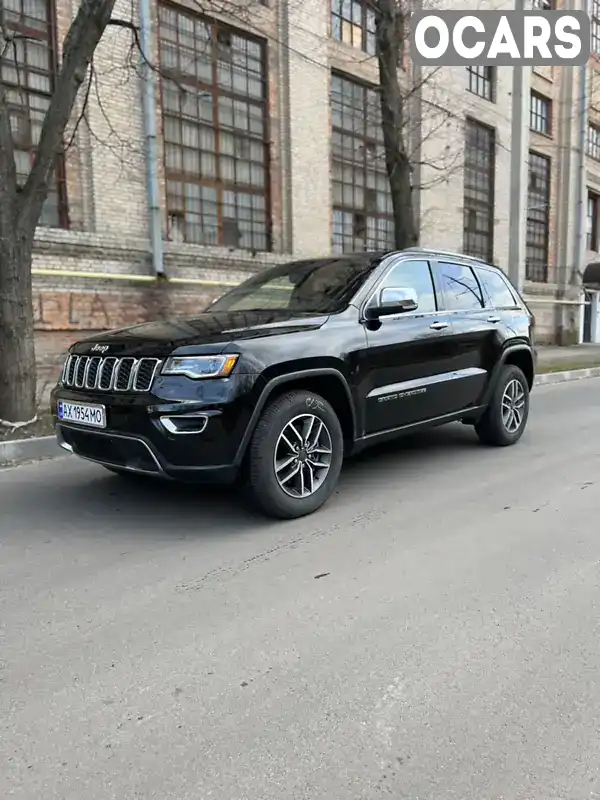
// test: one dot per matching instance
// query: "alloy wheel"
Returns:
(303, 456)
(513, 405)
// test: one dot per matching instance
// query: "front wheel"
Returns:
(295, 455)
(505, 419)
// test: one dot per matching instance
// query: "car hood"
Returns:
(211, 330)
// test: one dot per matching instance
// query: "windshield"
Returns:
(323, 286)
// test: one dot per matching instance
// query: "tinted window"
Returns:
(322, 286)
(495, 291)
(460, 287)
(413, 275)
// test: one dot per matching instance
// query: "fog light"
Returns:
(185, 423)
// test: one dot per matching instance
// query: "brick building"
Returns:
(268, 147)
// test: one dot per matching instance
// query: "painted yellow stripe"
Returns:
(124, 276)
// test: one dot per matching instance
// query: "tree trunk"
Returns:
(17, 352)
(20, 210)
(389, 35)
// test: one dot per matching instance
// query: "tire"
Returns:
(280, 498)
(492, 429)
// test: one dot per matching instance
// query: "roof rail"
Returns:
(433, 250)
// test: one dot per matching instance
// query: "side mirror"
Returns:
(392, 300)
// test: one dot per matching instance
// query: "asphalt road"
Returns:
(158, 642)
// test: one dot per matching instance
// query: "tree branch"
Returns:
(79, 46)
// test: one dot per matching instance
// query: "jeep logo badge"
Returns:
(99, 348)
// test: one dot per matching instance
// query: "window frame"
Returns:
(497, 274)
(531, 270)
(366, 142)
(217, 92)
(484, 78)
(463, 265)
(50, 35)
(593, 141)
(595, 23)
(365, 34)
(376, 282)
(592, 242)
(396, 265)
(540, 109)
(472, 203)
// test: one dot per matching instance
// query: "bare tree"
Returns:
(389, 33)
(21, 205)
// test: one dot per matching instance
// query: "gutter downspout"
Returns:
(285, 100)
(517, 213)
(149, 112)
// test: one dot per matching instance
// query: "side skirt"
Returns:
(469, 416)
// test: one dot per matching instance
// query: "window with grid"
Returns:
(480, 167)
(593, 143)
(482, 82)
(214, 106)
(353, 22)
(362, 204)
(538, 218)
(540, 114)
(596, 26)
(592, 221)
(27, 71)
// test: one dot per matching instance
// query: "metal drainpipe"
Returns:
(285, 100)
(149, 112)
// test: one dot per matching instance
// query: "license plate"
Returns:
(82, 414)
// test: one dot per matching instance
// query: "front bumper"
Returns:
(197, 435)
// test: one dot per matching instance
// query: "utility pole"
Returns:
(518, 175)
(579, 243)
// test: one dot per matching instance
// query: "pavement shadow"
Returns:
(91, 498)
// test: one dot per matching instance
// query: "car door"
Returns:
(510, 318)
(408, 354)
(474, 332)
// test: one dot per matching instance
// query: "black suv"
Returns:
(296, 368)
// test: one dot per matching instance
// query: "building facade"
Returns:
(249, 134)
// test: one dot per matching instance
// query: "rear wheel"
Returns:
(506, 417)
(295, 456)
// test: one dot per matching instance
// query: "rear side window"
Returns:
(495, 290)
(460, 287)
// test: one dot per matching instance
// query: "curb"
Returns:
(23, 450)
(548, 378)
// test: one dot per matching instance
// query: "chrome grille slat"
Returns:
(124, 374)
(109, 373)
(145, 373)
(91, 375)
(70, 373)
(80, 372)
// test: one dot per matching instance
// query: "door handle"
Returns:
(493, 319)
(438, 326)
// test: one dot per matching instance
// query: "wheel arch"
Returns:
(325, 381)
(518, 354)
(522, 357)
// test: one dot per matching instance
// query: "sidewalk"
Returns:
(578, 356)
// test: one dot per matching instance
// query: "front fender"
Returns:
(290, 377)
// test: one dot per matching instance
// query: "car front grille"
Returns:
(110, 373)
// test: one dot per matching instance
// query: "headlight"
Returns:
(200, 366)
